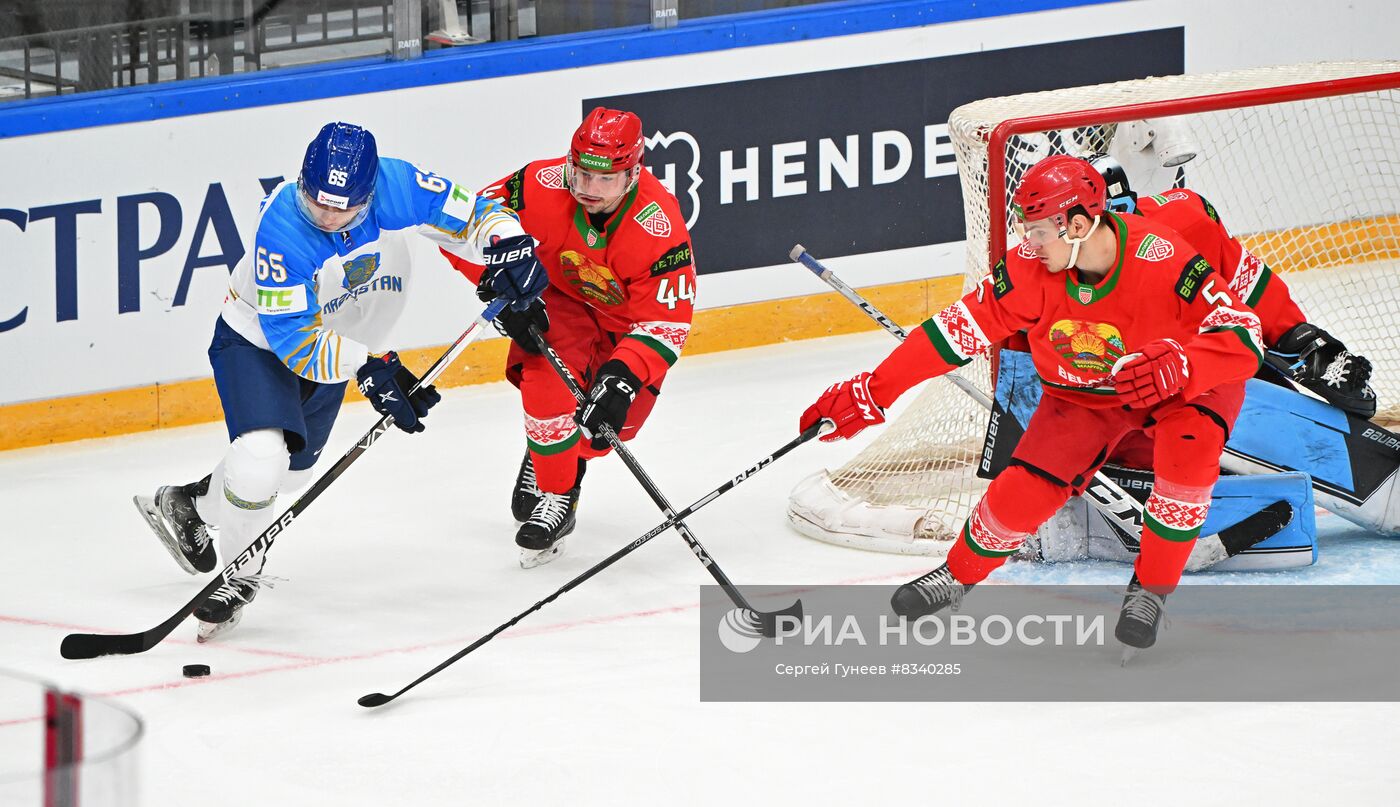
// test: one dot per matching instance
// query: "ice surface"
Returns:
(409, 557)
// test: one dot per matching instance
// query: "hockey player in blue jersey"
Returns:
(310, 307)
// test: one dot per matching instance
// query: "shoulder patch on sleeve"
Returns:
(1192, 278)
(1001, 279)
(460, 204)
(280, 299)
(653, 219)
(550, 176)
(1155, 248)
(677, 257)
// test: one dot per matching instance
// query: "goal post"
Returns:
(1301, 161)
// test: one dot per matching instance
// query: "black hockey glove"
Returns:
(516, 325)
(513, 273)
(608, 400)
(386, 382)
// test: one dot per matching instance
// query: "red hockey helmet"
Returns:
(1056, 185)
(608, 140)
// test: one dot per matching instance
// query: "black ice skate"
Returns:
(928, 594)
(223, 610)
(527, 493)
(541, 537)
(1320, 362)
(174, 520)
(1139, 619)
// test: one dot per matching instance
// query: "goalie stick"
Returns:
(92, 645)
(1123, 512)
(764, 621)
(379, 699)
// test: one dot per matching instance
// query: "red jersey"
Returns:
(1250, 279)
(1159, 288)
(636, 272)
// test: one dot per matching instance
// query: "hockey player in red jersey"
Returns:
(1320, 362)
(618, 311)
(1129, 329)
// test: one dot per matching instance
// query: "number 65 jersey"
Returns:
(636, 272)
(323, 301)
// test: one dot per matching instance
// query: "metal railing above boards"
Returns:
(59, 47)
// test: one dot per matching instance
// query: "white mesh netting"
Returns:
(1309, 184)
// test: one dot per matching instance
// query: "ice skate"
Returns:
(928, 594)
(541, 537)
(1139, 619)
(527, 493)
(223, 610)
(172, 516)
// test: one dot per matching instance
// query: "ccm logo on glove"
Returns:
(848, 405)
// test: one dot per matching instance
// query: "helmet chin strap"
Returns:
(1075, 243)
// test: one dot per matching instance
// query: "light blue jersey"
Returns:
(323, 301)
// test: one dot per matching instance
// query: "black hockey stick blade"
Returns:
(768, 620)
(373, 699)
(1256, 529)
(91, 645)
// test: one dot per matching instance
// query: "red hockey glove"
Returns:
(1152, 376)
(848, 405)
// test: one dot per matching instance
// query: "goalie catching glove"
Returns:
(1323, 364)
(386, 382)
(608, 401)
(848, 406)
(1157, 373)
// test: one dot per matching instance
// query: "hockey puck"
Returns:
(196, 670)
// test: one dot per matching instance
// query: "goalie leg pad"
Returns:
(1354, 464)
(1237, 498)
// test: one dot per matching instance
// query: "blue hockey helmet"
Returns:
(337, 177)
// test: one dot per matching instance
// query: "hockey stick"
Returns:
(764, 621)
(91, 645)
(1123, 511)
(672, 520)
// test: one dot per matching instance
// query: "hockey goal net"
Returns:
(1303, 164)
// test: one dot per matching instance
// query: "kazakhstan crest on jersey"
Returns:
(359, 271)
(1088, 346)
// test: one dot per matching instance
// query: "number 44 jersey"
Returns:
(635, 271)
